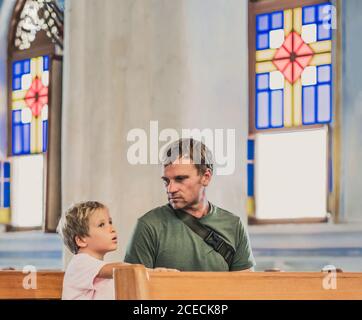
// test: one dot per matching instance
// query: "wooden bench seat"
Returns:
(135, 283)
(48, 285)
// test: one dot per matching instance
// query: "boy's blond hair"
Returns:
(75, 222)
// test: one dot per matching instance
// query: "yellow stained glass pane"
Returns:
(297, 20)
(265, 55)
(39, 66)
(250, 206)
(39, 135)
(33, 132)
(33, 67)
(4, 215)
(265, 67)
(321, 46)
(288, 111)
(297, 102)
(19, 104)
(19, 94)
(322, 58)
(288, 21)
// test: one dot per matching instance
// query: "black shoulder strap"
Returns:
(212, 238)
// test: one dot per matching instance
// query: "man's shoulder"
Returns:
(226, 214)
(155, 215)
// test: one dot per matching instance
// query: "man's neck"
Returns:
(200, 210)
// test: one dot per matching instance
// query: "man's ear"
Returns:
(81, 242)
(206, 178)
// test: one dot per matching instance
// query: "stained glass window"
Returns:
(30, 81)
(293, 83)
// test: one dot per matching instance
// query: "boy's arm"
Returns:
(107, 269)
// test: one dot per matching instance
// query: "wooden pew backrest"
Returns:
(48, 285)
(133, 282)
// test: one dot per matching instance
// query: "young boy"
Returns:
(88, 232)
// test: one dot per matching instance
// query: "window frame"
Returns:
(42, 45)
(256, 7)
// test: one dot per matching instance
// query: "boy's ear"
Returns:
(81, 242)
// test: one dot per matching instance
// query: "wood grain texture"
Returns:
(233, 285)
(48, 285)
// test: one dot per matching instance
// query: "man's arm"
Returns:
(142, 246)
(243, 259)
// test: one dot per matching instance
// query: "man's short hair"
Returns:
(192, 149)
(75, 223)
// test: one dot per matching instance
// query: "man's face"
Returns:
(184, 185)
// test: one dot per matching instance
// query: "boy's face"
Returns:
(102, 236)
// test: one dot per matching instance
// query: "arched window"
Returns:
(35, 45)
(291, 111)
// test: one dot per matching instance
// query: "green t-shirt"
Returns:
(160, 239)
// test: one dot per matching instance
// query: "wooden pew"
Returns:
(133, 282)
(48, 285)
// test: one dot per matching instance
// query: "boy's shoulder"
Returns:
(80, 261)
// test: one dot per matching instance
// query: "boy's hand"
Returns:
(162, 270)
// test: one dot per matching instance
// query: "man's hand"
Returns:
(246, 270)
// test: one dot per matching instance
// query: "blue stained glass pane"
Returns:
(45, 135)
(16, 83)
(262, 81)
(309, 14)
(262, 110)
(308, 102)
(26, 138)
(324, 103)
(262, 22)
(6, 194)
(324, 12)
(250, 149)
(17, 143)
(277, 20)
(26, 66)
(1, 198)
(277, 108)
(324, 73)
(250, 180)
(17, 116)
(45, 63)
(324, 32)
(262, 41)
(16, 68)
(6, 169)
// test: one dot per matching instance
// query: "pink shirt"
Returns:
(81, 281)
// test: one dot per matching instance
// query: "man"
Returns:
(162, 238)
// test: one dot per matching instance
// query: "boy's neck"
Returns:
(97, 255)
